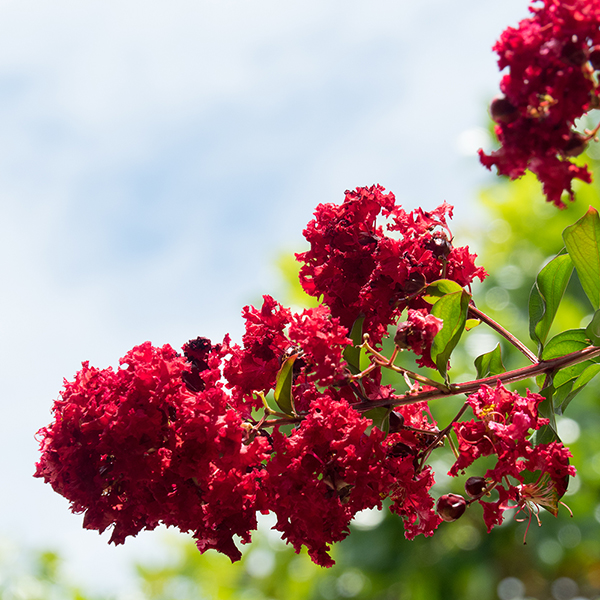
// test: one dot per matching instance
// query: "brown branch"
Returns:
(469, 387)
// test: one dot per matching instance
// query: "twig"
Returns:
(469, 387)
(504, 333)
(388, 363)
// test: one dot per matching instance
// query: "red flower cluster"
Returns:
(551, 58)
(274, 334)
(329, 469)
(359, 270)
(134, 448)
(184, 441)
(177, 440)
(503, 422)
(160, 441)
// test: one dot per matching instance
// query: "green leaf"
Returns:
(440, 288)
(583, 244)
(380, 417)
(568, 391)
(593, 329)
(352, 353)
(490, 363)
(452, 309)
(570, 373)
(566, 342)
(546, 433)
(568, 382)
(283, 386)
(546, 294)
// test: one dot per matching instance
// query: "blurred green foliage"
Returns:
(34, 575)
(561, 559)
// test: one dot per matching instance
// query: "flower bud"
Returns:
(502, 111)
(574, 53)
(396, 422)
(595, 57)
(415, 283)
(401, 338)
(576, 145)
(439, 245)
(451, 507)
(474, 486)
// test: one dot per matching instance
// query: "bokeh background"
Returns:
(157, 160)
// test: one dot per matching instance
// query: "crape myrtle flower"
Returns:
(504, 421)
(362, 268)
(134, 448)
(412, 431)
(551, 58)
(329, 468)
(411, 498)
(254, 367)
(274, 334)
(417, 333)
(542, 481)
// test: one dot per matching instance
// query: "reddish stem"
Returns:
(469, 387)
(504, 333)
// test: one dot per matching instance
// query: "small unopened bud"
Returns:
(475, 486)
(502, 111)
(594, 57)
(401, 338)
(576, 145)
(396, 422)
(574, 53)
(439, 245)
(415, 283)
(451, 507)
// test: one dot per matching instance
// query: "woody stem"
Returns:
(469, 387)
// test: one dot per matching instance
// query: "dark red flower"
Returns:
(417, 333)
(504, 423)
(329, 468)
(134, 448)
(254, 367)
(362, 268)
(323, 473)
(274, 334)
(549, 85)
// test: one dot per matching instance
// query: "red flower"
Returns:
(549, 85)
(329, 468)
(274, 334)
(254, 368)
(134, 448)
(417, 333)
(504, 422)
(323, 474)
(360, 270)
(412, 501)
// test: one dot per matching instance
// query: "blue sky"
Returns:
(156, 158)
